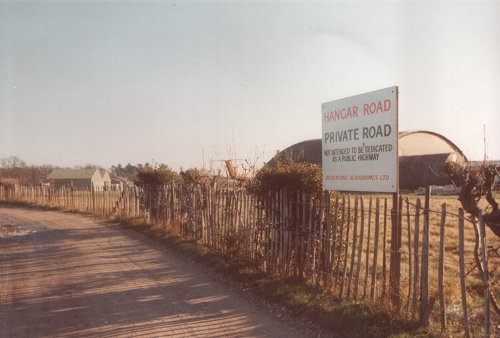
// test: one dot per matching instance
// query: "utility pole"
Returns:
(484, 140)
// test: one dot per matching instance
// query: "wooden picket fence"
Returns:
(338, 242)
(96, 201)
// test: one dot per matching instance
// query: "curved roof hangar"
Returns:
(422, 157)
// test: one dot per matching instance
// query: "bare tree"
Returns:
(12, 166)
(475, 183)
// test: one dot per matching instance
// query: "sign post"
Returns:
(360, 154)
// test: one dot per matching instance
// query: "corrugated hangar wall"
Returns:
(422, 157)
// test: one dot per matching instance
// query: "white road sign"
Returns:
(360, 142)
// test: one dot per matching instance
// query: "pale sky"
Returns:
(187, 82)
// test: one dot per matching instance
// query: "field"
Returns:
(452, 293)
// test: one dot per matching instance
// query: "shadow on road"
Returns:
(72, 276)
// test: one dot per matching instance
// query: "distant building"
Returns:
(478, 164)
(98, 179)
(119, 183)
(422, 157)
(105, 176)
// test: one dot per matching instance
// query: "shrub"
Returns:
(196, 176)
(293, 176)
(156, 176)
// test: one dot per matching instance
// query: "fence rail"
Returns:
(338, 242)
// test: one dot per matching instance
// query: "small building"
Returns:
(422, 157)
(119, 183)
(97, 179)
(106, 177)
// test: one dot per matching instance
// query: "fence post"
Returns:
(384, 252)
(415, 257)
(321, 244)
(360, 247)
(462, 271)
(486, 284)
(442, 314)
(339, 236)
(353, 252)
(410, 271)
(310, 241)
(395, 252)
(373, 285)
(297, 227)
(346, 249)
(92, 191)
(329, 252)
(284, 232)
(303, 251)
(424, 276)
(367, 266)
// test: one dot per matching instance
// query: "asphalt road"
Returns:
(65, 275)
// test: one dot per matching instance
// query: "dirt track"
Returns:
(65, 275)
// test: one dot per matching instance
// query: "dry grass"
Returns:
(452, 290)
(451, 266)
